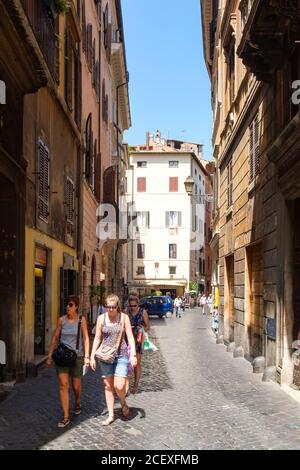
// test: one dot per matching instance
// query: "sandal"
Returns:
(125, 410)
(64, 422)
(77, 410)
(108, 421)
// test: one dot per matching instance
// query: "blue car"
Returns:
(157, 305)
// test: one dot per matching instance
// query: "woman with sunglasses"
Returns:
(66, 330)
(110, 331)
(139, 320)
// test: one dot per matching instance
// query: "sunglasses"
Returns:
(111, 307)
(133, 305)
(70, 304)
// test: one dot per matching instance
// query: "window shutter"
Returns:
(68, 69)
(148, 219)
(88, 147)
(78, 91)
(141, 185)
(109, 186)
(105, 25)
(179, 219)
(251, 152)
(83, 27)
(229, 183)
(69, 206)
(167, 219)
(109, 38)
(256, 145)
(90, 46)
(97, 176)
(94, 72)
(44, 181)
(103, 100)
(173, 184)
(141, 251)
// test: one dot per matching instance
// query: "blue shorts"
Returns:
(119, 368)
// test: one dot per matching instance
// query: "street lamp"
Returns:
(189, 187)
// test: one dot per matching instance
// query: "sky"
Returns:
(168, 80)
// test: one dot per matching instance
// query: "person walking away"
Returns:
(66, 332)
(111, 328)
(139, 321)
(203, 302)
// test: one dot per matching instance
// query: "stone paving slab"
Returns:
(194, 395)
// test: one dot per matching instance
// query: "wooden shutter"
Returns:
(105, 25)
(83, 27)
(141, 185)
(90, 46)
(141, 250)
(109, 186)
(167, 219)
(148, 219)
(109, 38)
(78, 91)
(97, 176)
(68, 69)
(88, 147)
(229, 183)
(256, 145)
(69, 206)
(179, 219)
(254, 148)
(94, 72)
(251, 152)
(44, 180)
(173, 184)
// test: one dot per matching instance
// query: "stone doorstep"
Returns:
(7, 386)
(39, 360)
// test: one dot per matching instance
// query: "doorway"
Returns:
(229, 298)
(39, 310)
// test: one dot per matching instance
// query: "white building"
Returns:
(167, 252)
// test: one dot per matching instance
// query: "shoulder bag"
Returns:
(63, 356)
(107, 353)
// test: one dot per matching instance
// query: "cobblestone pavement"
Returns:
(193, 395)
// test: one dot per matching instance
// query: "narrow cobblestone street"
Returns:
(193, 395)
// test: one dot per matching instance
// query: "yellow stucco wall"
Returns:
(55, 250)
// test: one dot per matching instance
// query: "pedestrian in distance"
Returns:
(67, 330)
(177, 305)
(139, 321)
(111, 328)
(210, 303)
(203, 303)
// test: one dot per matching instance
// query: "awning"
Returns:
(158, 283)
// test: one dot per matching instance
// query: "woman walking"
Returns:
(68, 328)
(139, 319)
(110, 332)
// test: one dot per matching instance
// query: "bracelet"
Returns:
(86, 357)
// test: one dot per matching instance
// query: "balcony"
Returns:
(43, 26)
(267, 33)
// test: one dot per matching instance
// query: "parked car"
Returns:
(157, 305)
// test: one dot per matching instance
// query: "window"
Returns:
(172, 269)
(173, 184)
(68, 68)
(156, 265)
(141, 185)
(172, 251)
(254, 148)
(141, 250)
(141, 271)
(173, 219)
(229, 183)
(173, 164)
(70, 206)
(90, 46)
(142, 164)
(143, 219)
(83, 27)
(104, 104)
(44, 181)
(89, 155)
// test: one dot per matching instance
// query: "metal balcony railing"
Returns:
(43, 25)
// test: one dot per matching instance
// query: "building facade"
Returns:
(252, 55)
(166, 252)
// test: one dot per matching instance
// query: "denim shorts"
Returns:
(119, 368)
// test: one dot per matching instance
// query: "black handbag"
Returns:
(63, 356)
